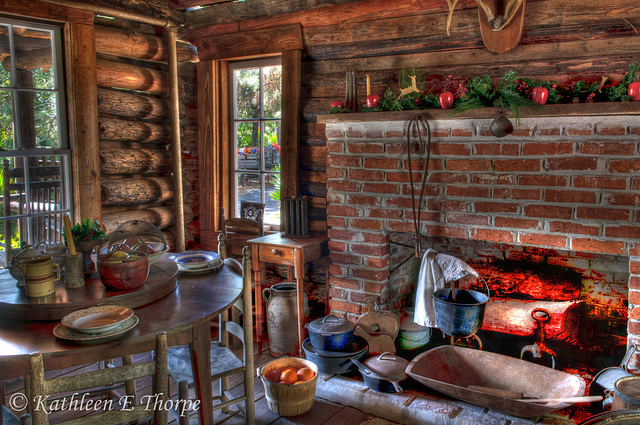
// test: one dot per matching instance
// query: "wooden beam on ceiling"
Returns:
(250, 43)
(239, 11)
(153, 8)
(39, 9)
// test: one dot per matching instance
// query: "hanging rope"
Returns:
(421, 146)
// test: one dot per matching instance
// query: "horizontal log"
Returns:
(48, 11)
(237, 11)
(313, 176)
(125, 76)
(317, 190)
(318, 226)
(161, 217)
(133, 131)
(134, 161)
(158, 9)
(133, 106)
(34, 59)
(131, 44)
(250, 43)
(139, 190)
(25, 42)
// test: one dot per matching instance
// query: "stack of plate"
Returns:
(96, 323)
(195, 262)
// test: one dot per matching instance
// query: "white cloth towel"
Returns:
(429, 280)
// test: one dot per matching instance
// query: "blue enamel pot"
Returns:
(331, 333)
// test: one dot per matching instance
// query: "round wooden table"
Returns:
(185, 315)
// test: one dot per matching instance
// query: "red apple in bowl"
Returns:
(337, 104)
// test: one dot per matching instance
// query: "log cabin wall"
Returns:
(562, 40)
(134, 127)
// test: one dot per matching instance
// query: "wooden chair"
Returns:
(41, 388)
(237, 231)
(252, 210)
(224, 362)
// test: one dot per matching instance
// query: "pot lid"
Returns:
(331, 325)
(388, 366)
(25, 253)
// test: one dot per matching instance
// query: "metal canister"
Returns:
(627, 394)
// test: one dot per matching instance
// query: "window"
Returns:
(256, 89)
(34, 179)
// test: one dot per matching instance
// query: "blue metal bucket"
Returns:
(463, 317)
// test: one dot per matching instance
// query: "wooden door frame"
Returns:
(214, 135)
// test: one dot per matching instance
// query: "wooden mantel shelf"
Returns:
(557, 110)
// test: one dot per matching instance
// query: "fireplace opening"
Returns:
(584, 295)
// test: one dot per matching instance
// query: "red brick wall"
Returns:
(563, 183)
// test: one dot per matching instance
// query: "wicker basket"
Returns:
(289, 400)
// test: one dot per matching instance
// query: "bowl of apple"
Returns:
(123, 261)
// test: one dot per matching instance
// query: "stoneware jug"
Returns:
(282, 318)
(38, 275)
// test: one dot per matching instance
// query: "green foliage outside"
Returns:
(248, 104)
(43, 120)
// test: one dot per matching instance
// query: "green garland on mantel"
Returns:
(512, 92)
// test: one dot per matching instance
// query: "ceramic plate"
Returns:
(214, 267)
(196, 260)
(97, 320)
(68, 334)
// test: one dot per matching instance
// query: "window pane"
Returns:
(46, 184)
(248, 185)
(272, 198)
(13, 188)
(5, 49)
(248, 146)
(6, 120)
(248, 93)
(46, 119)
(33, 58)
(272, 145)
(272, 77)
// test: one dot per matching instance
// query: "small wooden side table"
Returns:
(294, 253)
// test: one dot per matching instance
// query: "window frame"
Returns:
(62, 151)
(233, 210)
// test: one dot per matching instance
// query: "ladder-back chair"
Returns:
(41, 388)
(224, 361)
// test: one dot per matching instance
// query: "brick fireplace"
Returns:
(561, 190)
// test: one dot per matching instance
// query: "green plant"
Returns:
(619, 92)
(508, 95)
(87, 231)
(275, 193)
(482, 93)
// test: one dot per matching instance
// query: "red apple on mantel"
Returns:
(373, 100)
(337, 104)
(540, 95)
(634, 90)
(446, 100)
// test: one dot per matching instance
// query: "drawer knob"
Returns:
(276, 252)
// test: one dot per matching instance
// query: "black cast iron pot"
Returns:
(336, 362)
(331, 333)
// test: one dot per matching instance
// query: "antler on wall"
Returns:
(498, 23)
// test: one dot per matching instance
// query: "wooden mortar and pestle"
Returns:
(72, 262)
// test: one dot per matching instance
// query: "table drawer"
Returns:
(275, 254)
